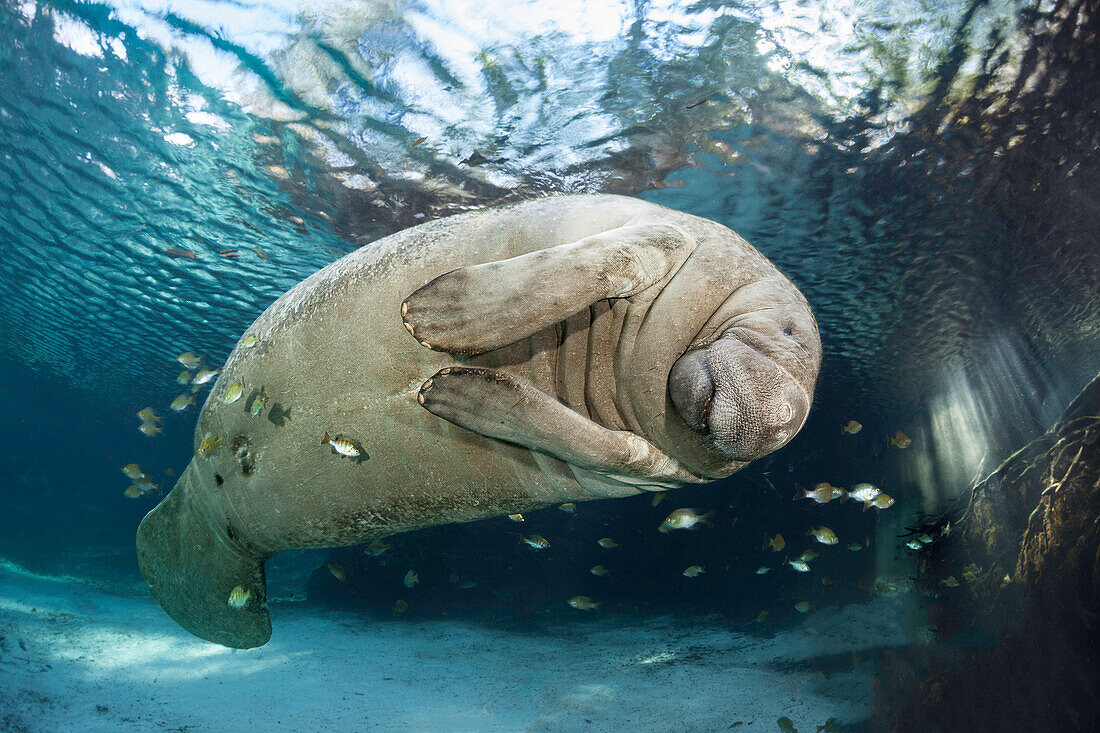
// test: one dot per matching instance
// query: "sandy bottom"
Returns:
(74, 657)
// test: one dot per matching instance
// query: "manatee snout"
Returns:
(740, 400)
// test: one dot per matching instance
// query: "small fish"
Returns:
(855, 547)
(231, 254)
(134, 492)
(568, 507)
(762, 617)
(341, 446)
(658, 498)
(584, 603)
(599, 570)
(946, 530)
(830, 726)
(182, 402)
(208, 445)
(900, 441)
(882, 501)
(400, 607)
(150, 429)
(516, 517)
(337, 571)
(249, 342)
(418, 141)
(775, 544)
(132, 471)
(803, 606)
(607, 543)
(914, 544)
(234, 392)
(925, 538)
(786, 725)
(685, 519)
(851, 428)
(189, 360)
(148, 415)
(827, 581)
(822, 493)
(185, 254)
(467, 584)
(145, 482)
(259, 402)
(377, 548)
(824, 535)
(239, 596)
(185, 377)
(763, 569)
(950, 582)
(808, 555)
(535, 541)
(411, 578)
(260, 253)
(205, 375)
(864, 492)
(799, 566)
(694, 571)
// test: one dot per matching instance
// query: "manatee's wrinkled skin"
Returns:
(657, 349)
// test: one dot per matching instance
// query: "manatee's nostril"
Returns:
(218, 479)
(786, 412)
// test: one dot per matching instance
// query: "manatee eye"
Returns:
(786, 412)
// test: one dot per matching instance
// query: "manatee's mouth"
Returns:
(691, 388)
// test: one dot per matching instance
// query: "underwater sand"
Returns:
(74, 657)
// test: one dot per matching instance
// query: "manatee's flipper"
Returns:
(192, 570)
(498, 405)
(480, 308)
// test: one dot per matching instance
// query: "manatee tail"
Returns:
(192, 570)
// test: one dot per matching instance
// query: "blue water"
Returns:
(925, 172)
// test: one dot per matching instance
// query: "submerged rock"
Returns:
(1023, 624)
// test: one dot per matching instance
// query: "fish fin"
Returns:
(867, 505)
(326, 439)
(843, 496)
(799, 492)
(705, 519)
(192, 566)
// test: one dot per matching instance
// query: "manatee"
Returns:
(557, 350)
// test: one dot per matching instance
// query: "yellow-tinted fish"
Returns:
(694, 571)
(761, 617)
(535, 541)
(377, 548)
(205, 375)
(775, 544)
(855, 547)
(189, 360)
(584, 603)
(234, 392)
(184, 377)
(803, 607)
(830, 726)
(145, 482)
(914, 544)
(133, 492)
(851, 428)
(568, 507)
(822, 493)
(762, 570)
(882, 501)
(864, 492)
(249, 341)
(516, 517)
(239, 597)
(826, 580)
(342, 446)
(400, 607)
(259, 402)
(411, 578)
(182, 402)
(208, 445)
(799, 566)
(132, 470)
(337, 571)
(658, 498)
(607, 543)
(685, 519)
(950, 582)
(786, 725)
(809, 555)
(599, 570)
(925, 538)
(824, 535)
(901, 440)
(150, 429)
(148, 415)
